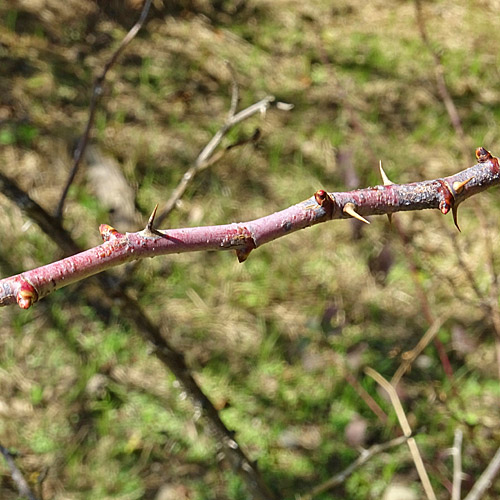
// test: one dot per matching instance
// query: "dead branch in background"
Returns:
(464, 142)
(409, 252)
(444, 194)
(405, 426)
(402, 233)
(165, 352)
(17, 476)
(456, 453)
(439, 73)
(409, 357)
(207, 158)
(97, 91)
(365, 456)
(486, 479)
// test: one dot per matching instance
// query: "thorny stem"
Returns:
(444, 194)
(96, 94)
(171, 358)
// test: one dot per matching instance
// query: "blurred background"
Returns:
(279, 343)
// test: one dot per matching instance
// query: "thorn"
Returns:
(459, 186)
(149, 230)
(387, 181)
(454, 211)
(243, 253)
(349, 208)
(149, 225)
(389, 216)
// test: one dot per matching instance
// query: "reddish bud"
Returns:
(26, 296)
(326, 201)
(444, 207)
(483, 155)
(320, 196)
(108, 232)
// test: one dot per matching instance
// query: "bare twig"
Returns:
(17, 476)
(365, 456)
(405, 426)
(486, 478)
(96, 94)
(456, 453)
(464, 141)
(235, 92)
(422, 296)
(205, 158)
(487, 301)
(365, 396)
(410, 356)
(440, 79)
(444, 194)
(166, 353)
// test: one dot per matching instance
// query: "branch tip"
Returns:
(108, 232)
(483, 155)
(349, 209)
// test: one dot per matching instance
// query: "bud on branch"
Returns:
(444, 194)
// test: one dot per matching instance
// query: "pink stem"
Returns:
(445, 194)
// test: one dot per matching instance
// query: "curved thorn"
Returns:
(349, 208)
(454, 211)
(459, 186)
(389, 216)
(387, 181)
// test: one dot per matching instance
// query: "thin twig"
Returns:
(488, 302)
(464, 141)
(365, 456)
(96, 95)
(204, 159)
(486, 478)
(235, 92)
(456, 453)
(422, 295)
(365, 396)
(492, 302)
(410, 356)
(17, 476)
(405, 426)
(440, 80)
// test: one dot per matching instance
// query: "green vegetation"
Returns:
(272, 341)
